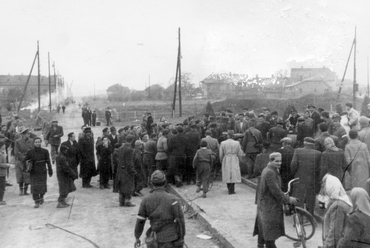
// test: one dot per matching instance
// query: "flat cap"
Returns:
(274, 155)
(309, 140)
(158, 177)
(286, 140)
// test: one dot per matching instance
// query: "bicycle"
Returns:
(302, 225)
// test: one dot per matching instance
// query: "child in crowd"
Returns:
(203, 163)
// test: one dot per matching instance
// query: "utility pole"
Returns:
(180, 105)
(355, 86)
(38, 77)
(368, 76)
(49, 83)
(55, 81)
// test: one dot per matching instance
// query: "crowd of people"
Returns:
(317, 147)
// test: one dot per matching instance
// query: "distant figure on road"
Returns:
(108, 116)
(93, 118)
(53, 136)
(58, 108)
(40, 160)
(64, 108)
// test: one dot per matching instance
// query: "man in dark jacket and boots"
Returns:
(192, 146)
(286, 152)
(176, 147)
(87, 158)
(65, 175)
(40, 160)
(138, 163)
(165, 215)
(54, 135)
(126, 172)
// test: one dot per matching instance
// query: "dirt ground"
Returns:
(95, 214)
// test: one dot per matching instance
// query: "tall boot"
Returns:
(20, 189)
(128, 203)
(25, 189)
(233, 188)
(229, 188)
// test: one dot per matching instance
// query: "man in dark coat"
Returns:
(138, 164)
(113, 138)
(193, 143)
(53, 136)
(269, 224)
(150, 151)
(263, 125)
(305, 165)
(72, 152)
(65, 175)
(319, 145)
(275, 134)
(252, 146)
(286, 152)
(149, 122)
(294, 118)
(40, 160)
(108, 116)
(87, 158)
(93, 118)
(176, 147)
(314, 116)
(126, 172)
(303, 131)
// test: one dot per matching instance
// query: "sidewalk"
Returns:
(230, 218)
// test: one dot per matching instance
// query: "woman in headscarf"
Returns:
(357, 229)
(66, 174)
(333, 160)
(338, 205)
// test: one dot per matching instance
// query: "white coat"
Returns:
(230, 150)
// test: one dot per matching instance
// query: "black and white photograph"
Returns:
(184, 124)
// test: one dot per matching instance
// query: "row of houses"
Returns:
(302, 81)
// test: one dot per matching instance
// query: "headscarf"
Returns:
(334, 190)
(361, 200)
(330, 145)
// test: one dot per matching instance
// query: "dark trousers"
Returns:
(37, 197)
(2, 188)
(93, 121)
(124, 198)
(166, 245)
(54, 152)
(104, 177)
(139, 181)
(148, 167)
(231, 188)
(251, 159)
(203, 175)
(108, 121)
(162, 165)
(23, 186)
(62, 197)
(86, 181)
(189, 173)
(176, 167)
(267, 243)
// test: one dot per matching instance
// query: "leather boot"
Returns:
(25, 189)
(37, 204)
(20, 192)
(129, 204)
(61, 205)
(64, 202)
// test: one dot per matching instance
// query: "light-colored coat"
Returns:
(358, 153)
(230, 151)
(364, 136)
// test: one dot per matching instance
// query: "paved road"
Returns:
(95, 214)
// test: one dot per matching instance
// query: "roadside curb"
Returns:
(203, 219)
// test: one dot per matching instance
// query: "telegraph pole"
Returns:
(180, 105)
(38, 77)
(368, 76)
(49, 82)
(55, 80)
(354, 73)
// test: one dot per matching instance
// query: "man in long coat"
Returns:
(72, 151)
(65, 175)
(270, 219)
(358, 160)
(87, 158)
(230, 151)
(21, 147)
(40, 160)
(252, 145)
(177, 146)
(126, 172)
(286, 152)
(192, 146)
(305, 165)
(53, 136)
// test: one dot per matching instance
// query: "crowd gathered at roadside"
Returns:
(329, 152)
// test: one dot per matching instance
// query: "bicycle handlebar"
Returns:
(290, 184)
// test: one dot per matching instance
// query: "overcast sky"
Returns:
(109, 42)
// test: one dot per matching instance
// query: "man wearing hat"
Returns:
(252, 145)
(320, 140)
(164, 213)
(108, 116)
(339, 131)
(87, 158)
(353, 117)
(305, 165)
(54, 135)
(177, 148)
(286, 152)
(269, 225)
(277, 133)
(193, 137)
(314, 116)
(21, 147)
(263, 125)
(303, 131)
(126, 172)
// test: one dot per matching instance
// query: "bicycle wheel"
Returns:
(307, 221)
